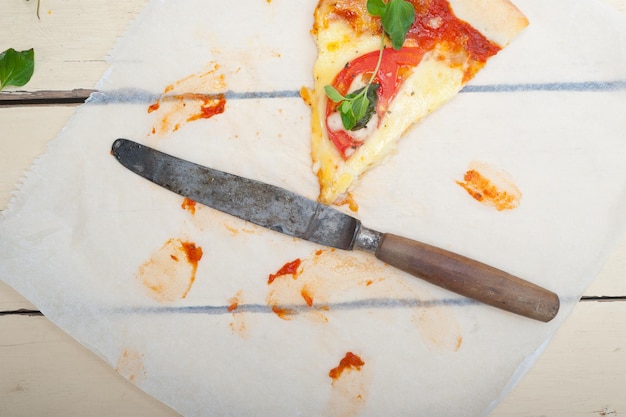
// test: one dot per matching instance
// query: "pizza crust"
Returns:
(498, 20)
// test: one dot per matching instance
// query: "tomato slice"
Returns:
(394, 68)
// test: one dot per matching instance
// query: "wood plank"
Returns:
(11, 300)
(611, 281)
(46, 373)
(44, 97)
(71, 40)
(582, 373)
(24, 133)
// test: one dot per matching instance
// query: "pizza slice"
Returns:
(446, 44)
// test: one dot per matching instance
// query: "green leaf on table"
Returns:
(16, 67)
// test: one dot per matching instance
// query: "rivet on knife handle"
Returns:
(468, 277)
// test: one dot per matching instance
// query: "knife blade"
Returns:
(286, 212)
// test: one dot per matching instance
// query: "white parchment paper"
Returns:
(101, 251)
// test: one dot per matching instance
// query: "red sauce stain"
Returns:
(349, 361)
(192, 98)
(154, 107)
(290, 268)
(435, 22)
(283, 313)
(307, 296)
(238, 324)
(189, 205)
(165, 278)
(210, 107)
(193, 252)
(491, 187)
(350, 386)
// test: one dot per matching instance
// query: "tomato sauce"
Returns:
(210, 107)
(189, 204)
(193, 253)
(498, 192)
(350, 361)
(307, 296)
(437, 23)
(290, 268)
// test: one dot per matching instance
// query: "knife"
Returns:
(286, 212)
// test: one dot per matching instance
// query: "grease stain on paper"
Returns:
(238, 324)
(441, 331)
(491, 186)
(170, 272)
(130, 366)
(350, 381)
(195, 97)
(307, 286)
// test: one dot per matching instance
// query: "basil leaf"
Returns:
(347, 117)
(397, 20)
(371, 98)
(376, 7)
(359, 106)
(333, 94)
(16, 68)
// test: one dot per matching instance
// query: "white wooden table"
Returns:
(45, 372)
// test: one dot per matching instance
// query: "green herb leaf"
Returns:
(333, 94)
(369, 102)
(347, 116)
(397, 20)
(357, 108)
(376, 7)
(16, 68)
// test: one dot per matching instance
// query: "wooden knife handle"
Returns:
(468, 277)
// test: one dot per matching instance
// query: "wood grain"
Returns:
(71, 40)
